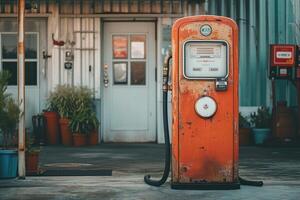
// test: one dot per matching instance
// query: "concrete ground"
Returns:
(278, 167)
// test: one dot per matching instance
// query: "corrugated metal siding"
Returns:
(261, 22)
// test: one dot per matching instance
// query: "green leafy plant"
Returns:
(60, 100)
(84, 122)
(244, 121)
(9, 111)
(84, 118)
(76, 104)
(261, 119)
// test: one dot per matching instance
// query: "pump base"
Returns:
(205, 186)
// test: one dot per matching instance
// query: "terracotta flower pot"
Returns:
(93, 138)
(32, 162)
(66, 134)
(52, 127)
(79, 139)
(245, 136)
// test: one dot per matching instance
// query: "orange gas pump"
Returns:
(205, 105)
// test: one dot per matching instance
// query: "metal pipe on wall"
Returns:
(21, 89)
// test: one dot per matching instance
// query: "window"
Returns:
(138, 73)
(205, 59)
(129, 59)
(120, 73)
(120, 45)
(8, 43)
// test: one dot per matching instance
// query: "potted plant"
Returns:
(83, 121)
(62, 96)
(93, 135)
(32, 158)
(52, 120)
(9, 115)
(79, 128)
(262, 125)
(244, 130)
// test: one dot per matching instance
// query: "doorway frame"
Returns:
(158, 70)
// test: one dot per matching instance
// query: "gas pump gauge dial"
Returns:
(206, 107)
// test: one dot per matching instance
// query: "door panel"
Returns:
(129, 98)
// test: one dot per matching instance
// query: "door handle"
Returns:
(105, 76)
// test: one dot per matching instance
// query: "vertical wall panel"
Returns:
(91, 64)
(77, 52)
(84, 53)
(97, 67)
(63, 36)
(53, 63)
(243, 56)
(84, 32)
(264, 96)
(253, 68)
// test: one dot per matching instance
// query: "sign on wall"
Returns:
(282, 61)
(283, 55)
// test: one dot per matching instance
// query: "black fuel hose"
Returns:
(251, 183)
(165, 176)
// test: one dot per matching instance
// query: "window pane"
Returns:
(138, 73)
(120, 44)
(31, 46)
(9, 46)
(120, 73)
(138, 46)
(11, 67)
(31, 73)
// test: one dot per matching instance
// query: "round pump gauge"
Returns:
(206, 107)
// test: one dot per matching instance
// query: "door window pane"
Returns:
(9, 46)
(31, 46)
(138, 46)
(120, 73)
(11, 67)
(138, 73)
(31, 73)
(120, 44)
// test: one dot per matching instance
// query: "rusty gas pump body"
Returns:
(205, 103)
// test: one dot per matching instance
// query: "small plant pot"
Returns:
(8, 164)
(32, 162)
(52, 127)
(245, 136)
(260, 135)
(93, 138)
(79, 140)
(66, 134)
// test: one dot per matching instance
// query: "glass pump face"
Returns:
(205, 59)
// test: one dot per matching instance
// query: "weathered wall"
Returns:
(261, 22)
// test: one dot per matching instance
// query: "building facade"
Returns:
(117, 49)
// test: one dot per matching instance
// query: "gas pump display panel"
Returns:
(205, 59)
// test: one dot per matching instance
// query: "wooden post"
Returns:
(21, 88)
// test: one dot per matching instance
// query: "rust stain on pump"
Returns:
(205, 148)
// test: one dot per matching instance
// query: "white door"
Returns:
(35, 77)
(129, 109)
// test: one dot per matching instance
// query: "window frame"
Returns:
(205, 41)
(129, 60)
(37, 59)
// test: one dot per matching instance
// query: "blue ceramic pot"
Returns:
(260, 135)
(8, 164)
